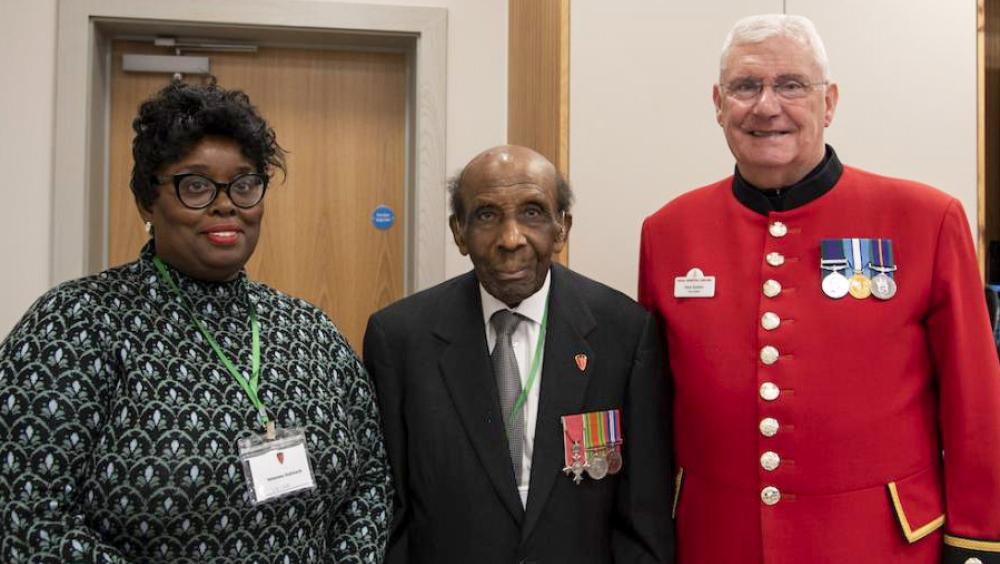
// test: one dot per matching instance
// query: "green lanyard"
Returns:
(536, 358)
(251, 387)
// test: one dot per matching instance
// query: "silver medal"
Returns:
(597, 466)
(577, 465)
(883, 286)
(836, 285)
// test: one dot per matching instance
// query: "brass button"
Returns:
(769, 391)
(770, 495)
(778, 229)
(770, 320)
(973, 560)
(768, 426)
(775, 259)
(772, 288)
(768, 355)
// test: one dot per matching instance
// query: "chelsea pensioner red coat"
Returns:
(873, 435)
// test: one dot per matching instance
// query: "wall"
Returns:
(477, 118)
(642, 127)
(27, 54)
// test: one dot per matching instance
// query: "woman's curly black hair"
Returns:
(177, 117)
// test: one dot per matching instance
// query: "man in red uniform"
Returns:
(837, 395)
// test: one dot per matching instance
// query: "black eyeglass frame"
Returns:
(216, 187)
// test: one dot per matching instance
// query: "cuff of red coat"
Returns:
(962, 550)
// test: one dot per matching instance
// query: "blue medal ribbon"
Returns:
(848, 253)
(832, 258)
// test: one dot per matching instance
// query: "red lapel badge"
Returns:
(281, 458)
(581, 362)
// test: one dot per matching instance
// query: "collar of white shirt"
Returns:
(533, 307)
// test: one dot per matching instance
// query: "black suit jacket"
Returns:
(456, 500)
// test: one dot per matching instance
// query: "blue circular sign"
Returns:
(383, 217)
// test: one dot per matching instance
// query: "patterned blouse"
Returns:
(118, 427)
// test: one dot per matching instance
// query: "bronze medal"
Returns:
(614, 460)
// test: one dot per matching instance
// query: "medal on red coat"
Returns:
(883, 283)
(861, 285)
(832, 261)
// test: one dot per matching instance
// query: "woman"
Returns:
(160, 411)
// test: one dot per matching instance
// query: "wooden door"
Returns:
(342, 117)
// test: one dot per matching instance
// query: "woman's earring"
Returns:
(149, 228)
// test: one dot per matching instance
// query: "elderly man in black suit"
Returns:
(525, 407)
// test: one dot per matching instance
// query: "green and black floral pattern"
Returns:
(118, 428)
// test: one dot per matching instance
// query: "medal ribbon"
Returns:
(574, 425)
(865, 246)
(833, 255)
(856, 262)
(535, 365)
(602, 437)
(249, 387)
(884, 264)
(595, 430)
(614, 426)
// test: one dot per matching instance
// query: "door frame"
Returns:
(82, 106)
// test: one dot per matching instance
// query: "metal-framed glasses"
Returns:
(749, 89)
(197, 191)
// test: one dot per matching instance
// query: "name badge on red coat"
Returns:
(694, 285)
(592, 444)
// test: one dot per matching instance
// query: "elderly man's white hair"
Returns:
(754, 29)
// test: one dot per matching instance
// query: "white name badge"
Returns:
(278, 467)
(694, 285)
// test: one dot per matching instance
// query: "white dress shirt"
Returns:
(524, 340)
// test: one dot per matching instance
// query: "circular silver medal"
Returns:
(597, 466)
(836, 285)
(883, 286)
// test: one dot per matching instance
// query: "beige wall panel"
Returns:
(27, 52)
(907, 75)
(642, 124)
